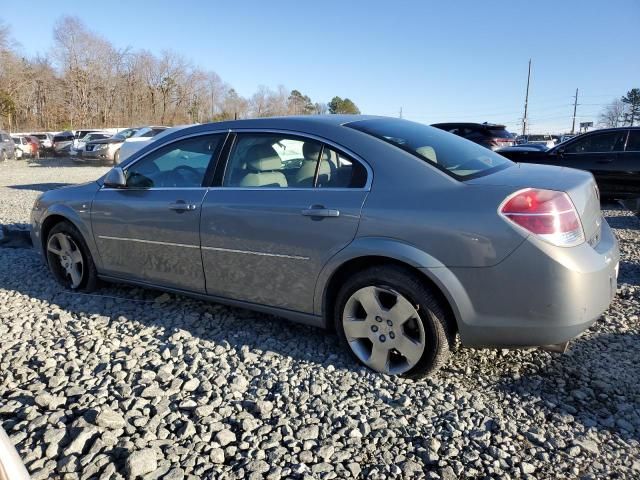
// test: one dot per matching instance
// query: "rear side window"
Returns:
(498, 132)
(455, 156)
(633, 144)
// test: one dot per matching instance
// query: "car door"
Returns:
(629, 162)
(599, 153)
(149, 231)
(284, 205)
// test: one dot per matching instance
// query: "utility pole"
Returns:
(400, 112)
(526, 102)
(575, 106)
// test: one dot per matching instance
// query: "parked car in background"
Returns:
(129, 148)
(23, 146)
(567, 136)
(7, 147)
(79, 145)
(611, 155)
(143, 135)
(546, 140)
(62, 143)
(398, 235)
(535, 147)
(107, 150)
(46, 140)
(488, 135)
(80, 134)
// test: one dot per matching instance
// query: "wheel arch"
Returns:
(59, 213)
(376, 252)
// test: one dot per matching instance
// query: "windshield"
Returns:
(454, 155)
(124, 134)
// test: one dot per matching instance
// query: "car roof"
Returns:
(468, 124)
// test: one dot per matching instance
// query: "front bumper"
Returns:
(539, 295)
(102, 155)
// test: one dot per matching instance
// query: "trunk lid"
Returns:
(578, 184)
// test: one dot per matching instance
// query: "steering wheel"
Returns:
(196, 175)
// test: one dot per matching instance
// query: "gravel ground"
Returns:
(132, 383)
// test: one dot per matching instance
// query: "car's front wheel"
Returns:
(393, 323)
(69, 258)
(116, 157)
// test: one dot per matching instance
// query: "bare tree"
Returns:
(613, 114)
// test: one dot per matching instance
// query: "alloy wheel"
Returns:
(69, 256)
(384, 330)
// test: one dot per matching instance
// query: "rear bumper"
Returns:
(539, 295)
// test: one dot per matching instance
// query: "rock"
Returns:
(51, 402)
(527, 468)
(355, 469)
(308, 433)
(217, 455)
(81, 441)
(107, 418)
(239, 384)
(141, 462)
(225, 437)
(191, 385)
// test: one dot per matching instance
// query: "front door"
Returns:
(285, 206)
(598, 153)
(149, 231)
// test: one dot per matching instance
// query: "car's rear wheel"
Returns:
(393, 323)
(4, 156)
(69, 258)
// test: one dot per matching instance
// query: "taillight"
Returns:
(546, 213)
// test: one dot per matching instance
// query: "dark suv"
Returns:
(486, 134)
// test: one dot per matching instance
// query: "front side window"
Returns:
(181, 164)
(458, 157)
(598, 143)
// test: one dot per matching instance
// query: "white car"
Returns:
(137, 142)
(23, 147)
(79, 144)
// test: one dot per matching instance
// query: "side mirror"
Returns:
(115, 178)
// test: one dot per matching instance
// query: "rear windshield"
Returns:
(454, 155)
(62, 138)
(498, 131)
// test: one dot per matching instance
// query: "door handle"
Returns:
(182, 206)
(320, 211)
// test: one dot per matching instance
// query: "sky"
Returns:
(436, 60)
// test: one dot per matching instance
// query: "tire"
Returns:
(4, 156)
(427, 336)
(88, 274)
(116, 158)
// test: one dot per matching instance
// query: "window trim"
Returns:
(212, 163)
(224, 161)
(593, 134)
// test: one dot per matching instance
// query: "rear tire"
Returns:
(402, 330)
(69, 258)
(4, 156)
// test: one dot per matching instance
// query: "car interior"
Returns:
(274, 162)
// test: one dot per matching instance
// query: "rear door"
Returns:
(599, 153)
(630, 163)
(282, 207)
(149, 231)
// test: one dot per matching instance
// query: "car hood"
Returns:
(105, 140)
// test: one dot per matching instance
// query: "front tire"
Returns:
(393, 323)
(116, 158)
(69, 258)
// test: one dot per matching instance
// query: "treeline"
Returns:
(622, 112)
(87, 82)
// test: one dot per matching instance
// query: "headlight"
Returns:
(102, 146)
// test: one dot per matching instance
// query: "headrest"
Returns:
(311, 150)
(263, 158)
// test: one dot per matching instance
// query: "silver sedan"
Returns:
(398, 235)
